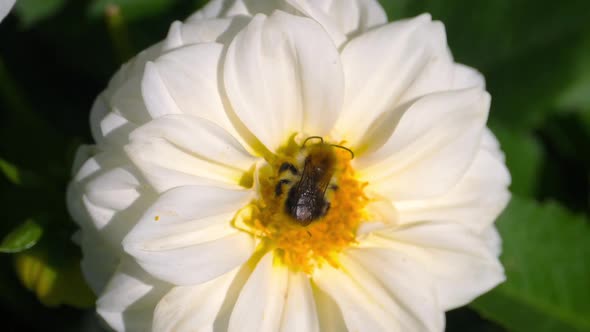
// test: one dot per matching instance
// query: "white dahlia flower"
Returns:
(290, 165)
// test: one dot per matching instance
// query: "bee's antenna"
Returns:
(345, 148)
(313, 137)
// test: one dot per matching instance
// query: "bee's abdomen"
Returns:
(306, 205)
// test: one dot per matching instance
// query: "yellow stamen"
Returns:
(304, 247)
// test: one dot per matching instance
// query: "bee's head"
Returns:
(321, 148)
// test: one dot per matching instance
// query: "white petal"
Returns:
(342, 18)
(177, 150)
(5, 6)
(192, 308)
(329, 313)
(431, 147)
(300, 312)
(476, 201)
(437, 73)
(283, 75)
(492, 145)
(460, 262)
(221, 30)
(115, 189)
(120, 108)
(405, 282)
(106, 196)
(441, 73)
(157, 97)
(467, 77)
(260, 304)
(130, 298)
(100, 109)
(492, 238)
(83, 153)
(100, 260)
(106, 200)
(379, 66)
(186, 236)
(185, 81)
(360, 310)
(381, 214)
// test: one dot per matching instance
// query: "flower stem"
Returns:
(118, 32)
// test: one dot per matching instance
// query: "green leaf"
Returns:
(21, 238)
(526, 86)
(130, 9)
(545, 253)
(31, 12)
(10, 171)
(576, 96)
(525, 48)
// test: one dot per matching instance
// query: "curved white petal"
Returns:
(342, 18)
(185, 81)
(115, 189)
(129, 299)
(378, 68)
(492, 145)
(107, 126)
(5, 6)
(460, 262)
(100, 260)
(467, 77)
(280, 81)
(300, 311)
(434, 141)
(329, 313)
(401, 279)
(381, 213)
(493, 239)
(381, 300)
(192, 308)
(106, 200)
(476, 201)
(186, 237)
(106, 196)
(437, 72)
(220, 30)
(260, 304)
(120, 108)
(178, 150)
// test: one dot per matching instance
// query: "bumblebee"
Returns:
(306, 199)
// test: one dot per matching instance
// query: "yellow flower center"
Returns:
(309, 204)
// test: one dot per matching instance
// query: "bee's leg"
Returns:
(288, 167)
(279, 186)
(334, 187)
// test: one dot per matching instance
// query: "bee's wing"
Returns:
(323, 182)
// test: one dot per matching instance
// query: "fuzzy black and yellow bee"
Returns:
(306, 199)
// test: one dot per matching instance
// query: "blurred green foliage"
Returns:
(57, 55)
(23, 237)
(546, 249)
